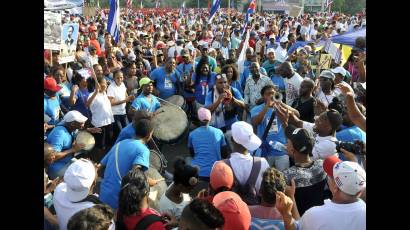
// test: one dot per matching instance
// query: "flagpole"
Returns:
(229, 4)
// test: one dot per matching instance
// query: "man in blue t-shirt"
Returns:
(166, 79)
(271, 64)
(260, 114)
(124, 156)
(206, 145)
(224, 102)
(146, 101)
(51, 100)
(128, 132)
(61, 139)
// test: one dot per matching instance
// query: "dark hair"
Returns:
(203, 214)
(143, 128)
(202, 61)
(116, 72)
(266, 87)
(184, 172)
(337, 105)
(272, 182)
(54, 69)
(48, 150)
(234, 69)
(98, 217)
(134, 187)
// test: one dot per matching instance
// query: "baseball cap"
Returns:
(160, 45)
(204, 114)
(221, 176)
(216, 45)
(51, 84)
(192, 33)
(242, 133)
(284, 39)
(170, 43)
(144, 81)
(79, 178)
(131, 56)
(235, 211)
(272, 36)
(300, 138)
(74, 115)
(270, 50)
(327, 74)
(340, 70)
(349, 176)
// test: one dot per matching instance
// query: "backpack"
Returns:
(248, 191)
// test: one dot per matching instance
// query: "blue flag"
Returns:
(114, 20)
(215, 6)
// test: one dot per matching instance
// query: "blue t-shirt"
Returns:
(166, 85)
(80, 103)
(60, 139)
(276, 132)
(237, 85)
(206, 142)
(128, 132)
(64, 94)
(279, 82)
(210, 100)
(180, 69)
(141, 103)
(203, 87)
(266, 224)
(130, 152)
(52, 109)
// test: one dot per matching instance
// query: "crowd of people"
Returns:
(275, 141)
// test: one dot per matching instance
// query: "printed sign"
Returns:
(69, 38)
(52, 30)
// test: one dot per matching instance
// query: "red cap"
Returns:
(328, 164)
(236, 212)
(221, 176)
(92, 28)
(51, 84)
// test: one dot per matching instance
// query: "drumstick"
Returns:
(169, 103)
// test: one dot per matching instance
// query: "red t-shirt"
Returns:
(252, 43)
(96, 44)
(131, 221)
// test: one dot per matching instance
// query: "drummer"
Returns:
(61, 139)
(128, 132)
(166, 78)
(145, 101)
(224, 102)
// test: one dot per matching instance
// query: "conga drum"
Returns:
(86, 138)
(170, 123)
(176, 100)
(157, 190)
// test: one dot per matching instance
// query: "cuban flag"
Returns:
(251, 10)
(157, 4)
(181, 11)
(328, 5)
(114, 20)
(215, 6)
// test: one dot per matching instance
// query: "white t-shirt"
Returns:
(118, 93)
(166, 205)
(326, 99)
(171, 51)
(292, 88)
(281, 54)
(242, 166)
(65, 209)
(324, 146)
(335, 216)
(101, 110)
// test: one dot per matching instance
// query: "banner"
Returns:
(52, 30)
(73, 6)
(334, 51)
(69, 38)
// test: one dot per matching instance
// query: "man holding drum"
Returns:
(224, 102)
(145, 101)
(166, 79)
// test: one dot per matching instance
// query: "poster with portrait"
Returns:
(52, 30)
(69, 36)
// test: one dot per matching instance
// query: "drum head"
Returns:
(86, 138)
(157, 190)
(176, 100)
(155, 160)
(170, 123)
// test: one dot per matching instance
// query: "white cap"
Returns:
(211, 50)
(242, 133)
(79, 177)
(216, 45)
(170, 43)
(349, 176)
(192, 33)
(284, 39)
(272, 36)
(340, 70)
(74, 115)
(270, 50)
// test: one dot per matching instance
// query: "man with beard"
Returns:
(166, 79)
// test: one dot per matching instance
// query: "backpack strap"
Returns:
(228, 162)
(256, 168)
(146, 221)
(90, 198)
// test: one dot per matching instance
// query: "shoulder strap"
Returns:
(116, 160)
(90, 198)
(147, 221)
(228, 162)
(256, 167)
